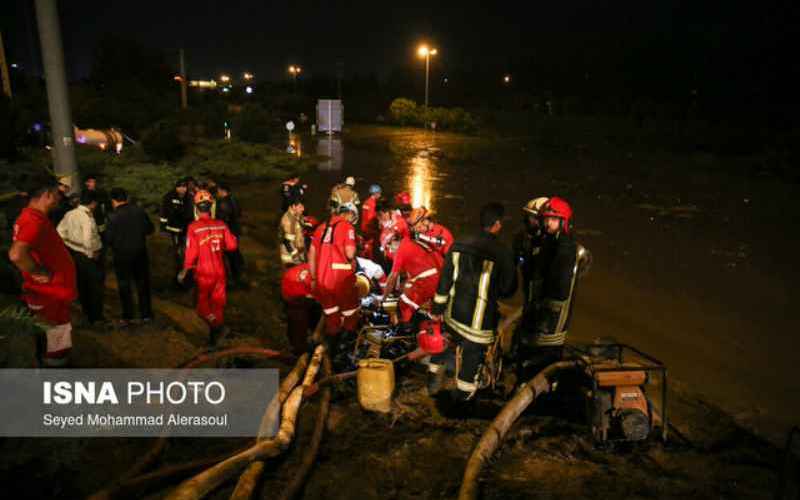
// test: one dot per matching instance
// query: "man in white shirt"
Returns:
(78, 229)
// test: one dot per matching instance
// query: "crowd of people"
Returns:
(383, 246)
(402, 252)
(61, 241)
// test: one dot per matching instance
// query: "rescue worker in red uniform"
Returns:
(49, 278)
(207, 240)
(420, 264)
(302, 311)
(332, 259)
(370, 227)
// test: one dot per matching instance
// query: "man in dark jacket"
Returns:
(176, 214)
(478, 271)
(230, 212)
(101, 213)
(126, 235)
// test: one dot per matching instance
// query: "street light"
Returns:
(248, 76)
(224, 78)
(294, 71)
(426, 52)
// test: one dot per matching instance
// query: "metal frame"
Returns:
(582, 353)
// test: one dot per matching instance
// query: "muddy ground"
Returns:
(643, 224)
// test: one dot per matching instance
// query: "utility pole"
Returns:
(61, 125)
(184, 103)
(4, 70)
(339, 75)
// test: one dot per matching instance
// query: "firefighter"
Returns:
(344, 194)
(332, 259)
(369, 210)
(420, 264)
(562, 261)
(434, 234)
(49, 277)
(302, 311)
(528, 253)
(477, 273)
(290, 235)
(291, 189)
(176, 214)
(207, 240)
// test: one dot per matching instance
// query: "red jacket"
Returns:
(417, 260)
(368, 214)
(331, 241)
(206, 241)
(439, 238)
(47, 250)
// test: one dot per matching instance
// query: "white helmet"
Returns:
(350, 181)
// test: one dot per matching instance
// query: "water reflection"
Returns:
(420, 182)
(332, 148)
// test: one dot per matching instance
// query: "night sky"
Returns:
(373, 37)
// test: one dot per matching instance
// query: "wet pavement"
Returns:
(691, 259)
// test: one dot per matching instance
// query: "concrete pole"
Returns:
(61, 124)
(184, 102)
(4, 70)
(427, 71)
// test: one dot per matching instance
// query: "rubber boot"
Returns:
(436, 381)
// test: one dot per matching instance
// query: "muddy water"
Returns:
(692, 262)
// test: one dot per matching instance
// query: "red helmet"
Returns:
(401, 199)
(559, 208)
(430, 338)
(202, 195)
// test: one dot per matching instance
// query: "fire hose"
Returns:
(496, 432)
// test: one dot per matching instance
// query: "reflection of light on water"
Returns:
(295, 147)
(420, 182)
(332, 148)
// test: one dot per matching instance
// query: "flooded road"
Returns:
(690, 260)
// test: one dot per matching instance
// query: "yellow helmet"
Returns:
(535, 205)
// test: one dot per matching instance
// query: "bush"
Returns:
(237, 159)
(405, 112)
(162, 142)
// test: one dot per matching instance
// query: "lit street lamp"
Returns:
(426, 52)
(294, 71)
(248, 76)
(507, 79)
(224, 78)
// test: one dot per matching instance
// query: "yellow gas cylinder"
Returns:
(375, 384)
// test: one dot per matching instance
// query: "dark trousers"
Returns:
(129, 271)
(468, 358)
(235, 265)
(302, 315)
(90, 286)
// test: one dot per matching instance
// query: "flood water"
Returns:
(691, 260)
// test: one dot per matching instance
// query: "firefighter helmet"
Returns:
(402, 199)
(534, 206)
(560, 209)
(203, 196)
(375, 189)
(363, 285)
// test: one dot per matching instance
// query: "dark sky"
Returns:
(265, 37)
